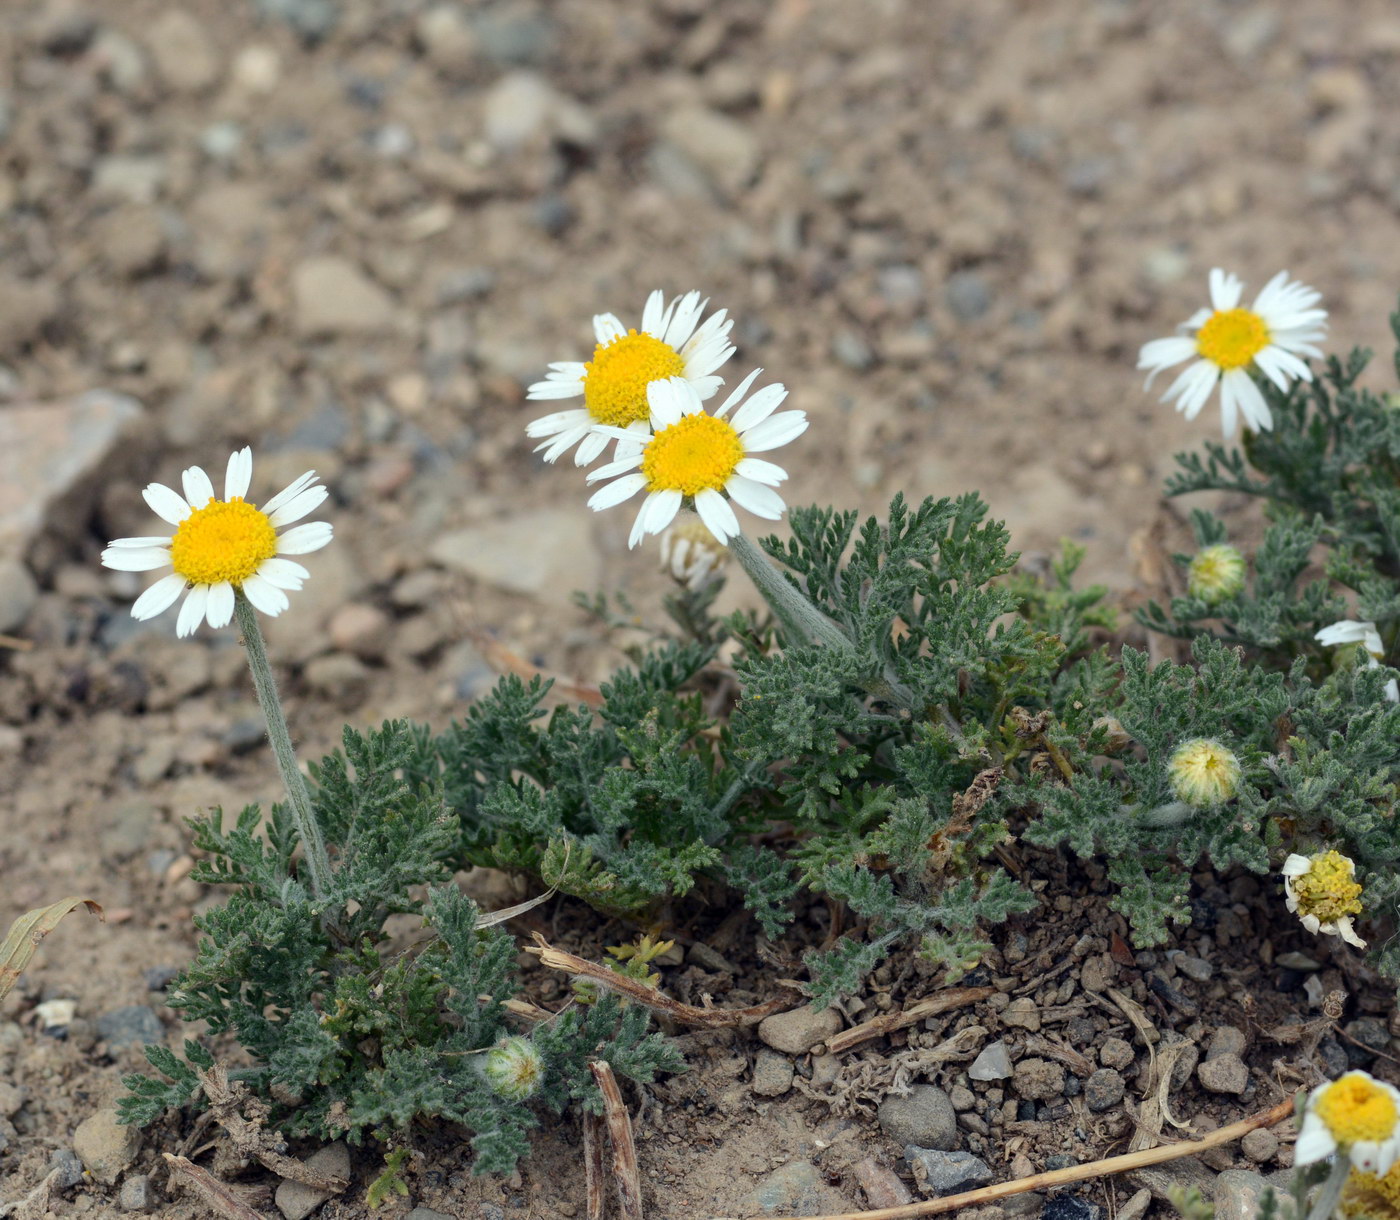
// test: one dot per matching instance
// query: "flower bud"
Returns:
(1204, 773)
(690, 554)
(514, 1068)
(1216, 574)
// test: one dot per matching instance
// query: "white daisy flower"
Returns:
(1323, 891)
(222, 546)
(1354, 631)
(673, 342)
(691, 455)
(1357, 1115)
(1280, 327)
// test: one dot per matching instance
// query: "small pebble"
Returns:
(938, 1173)
(994, 1063)
(1115, 1053)
(1225, 1073)
(1038, 1079)
(1259, 1146)
(772, 1074)
(1069, 1207)
(1103, 1090)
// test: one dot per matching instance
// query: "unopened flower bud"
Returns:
(690, 554)
(1204, 773)
(1216, 574)
(514, 1068)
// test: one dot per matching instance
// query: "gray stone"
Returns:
(130, 1026)
(1104, 1089)
(524, 106)
(1226, 1040)
(1038, 1079)
(1238, 1193)
(1136, 1206)
(795, 1189)
(968, 295)
(1224, 1074)
(136, 179)
(331, 296)
(447, 40)
(547, 553)
(1259, 1146)
(994, 1063)
(311, 19)
(1069, 1207)
(187, 60)
(796, 1031)
(772, 1074)
(49, 454)
(1182, 1174)
(1022, 1013)
(1115, 1053)
(723, 149)
(939, 1173)
(338, 676)
(70, 1168)
(924, 1118)
(851, 349)
(513, 33)
(18, 593)
(106, 1147)
(296, 1200)
(138, 1194)
(26, 307)
(1195, 968)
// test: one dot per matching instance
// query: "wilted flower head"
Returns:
(1356, 1114)
(222, 546)
(690, 554)
(1324, 893)
(1203, 773)
(1216, 574)
(1228, 341)
(514, 1068)
(673, 342)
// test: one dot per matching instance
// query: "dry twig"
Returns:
(219, 1196)
(1075, 1173)
(626, 1177)
(944, 1001)
(594, 1137)
(685, 1014)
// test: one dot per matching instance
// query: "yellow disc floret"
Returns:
(615, 381)
(1355, 1109)
(223, 541)
(1231, 338)
(1216, 574)
(1203, 773)
(698, 453)
(1329, 890)
(1366, 1194)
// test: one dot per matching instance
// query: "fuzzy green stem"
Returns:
(281, 738)
(797, 614)
(1325, 1202)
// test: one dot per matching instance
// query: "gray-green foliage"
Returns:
(349, 1034)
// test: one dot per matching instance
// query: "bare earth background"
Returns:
(348, 232)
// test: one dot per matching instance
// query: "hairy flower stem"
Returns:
(802, 620)
(1325, 1201)
(297, 795)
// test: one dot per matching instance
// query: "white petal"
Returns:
(149, 540)
(1192, 387)
(613, 469)
(1347, 631)
(1277, 365)
(761, 472)
(135, 559)
(1251, 399)
(1229, 402)
(192, 612)
(775, 431)
(718, 517)
(284, 573)
(706, 350)
(1347, 932)
(760, 500)
(1315, 1142)
(615, 493)
(198, 488)
(560, 445)
(265, 596)
(291, 491)
(299, 506)
(590, 447)
(303, 539)
(737, 394)
(668, 400)
(1296, 865)
(705, 387)
(1225, 289)
(682, 324)
(558, 421)
(653, 313)
(239, 473)
(165, 503)
(220, 608)
(660, 509)
(158, 598)
(554, 389)
(1161, 354)
(606, 328)
(759, 407)
(636, 534)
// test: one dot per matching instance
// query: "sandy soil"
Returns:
(946, 227)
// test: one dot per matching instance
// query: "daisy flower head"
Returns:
(1281, 326)
(1354, 631)
(688, 454)
(1323, 891)
(221, 547)
(1357, 1115)
(1203, 773)
(673, 342)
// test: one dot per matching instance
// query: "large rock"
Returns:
(49, 455)
(296, 1200)
(924, 1117)
(548, 553)
(106, 1147)
(333, 297)
(796, 1031)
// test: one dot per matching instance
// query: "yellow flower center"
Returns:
(1355, 1109)
(1365, 1194)
(697, 453)
(1329, 889)
(1215, 574)
(223, 541)
(1231, 338)
(615, 381)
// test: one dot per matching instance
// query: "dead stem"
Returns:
(626, 1177)
(944, 1001)
(218, 1196)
